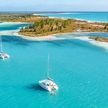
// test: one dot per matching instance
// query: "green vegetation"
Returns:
(46, 26)
(19, 17)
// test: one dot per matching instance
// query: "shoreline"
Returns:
(54, 37)
(43, 38)
(93, 42)
(15, 33)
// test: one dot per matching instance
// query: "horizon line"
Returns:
(16, 11)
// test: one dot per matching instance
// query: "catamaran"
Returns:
(3, 55)
(48, 84)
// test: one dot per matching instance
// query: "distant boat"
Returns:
(3, 55)
(78, 30)
(48, 84)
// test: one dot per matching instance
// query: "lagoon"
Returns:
(78, 67)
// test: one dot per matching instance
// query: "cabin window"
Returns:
(47, 84)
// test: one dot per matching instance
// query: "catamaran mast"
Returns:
(1, 46)
(48, 68)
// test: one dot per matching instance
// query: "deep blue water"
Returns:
(79, 68)
(91, 16)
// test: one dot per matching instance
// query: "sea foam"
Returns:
(97, 43)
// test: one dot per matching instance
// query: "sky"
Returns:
(53, 5)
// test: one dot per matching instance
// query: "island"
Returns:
(100, 39)
(44, 26)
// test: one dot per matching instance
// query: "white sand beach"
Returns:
(51, 37)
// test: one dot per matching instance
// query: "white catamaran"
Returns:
(3, 55)
(48, 84)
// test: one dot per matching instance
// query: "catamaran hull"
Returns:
(44, 87)
(4, 56)
(48, 88)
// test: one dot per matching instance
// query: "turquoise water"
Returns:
(91, 16)
(12, 26)
(78, 67)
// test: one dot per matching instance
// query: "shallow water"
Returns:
(11, 26)
(78, 67)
